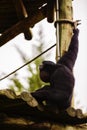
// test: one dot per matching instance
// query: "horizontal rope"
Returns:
(27, 63)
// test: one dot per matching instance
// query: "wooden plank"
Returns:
(19, 27)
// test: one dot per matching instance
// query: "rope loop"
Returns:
(64, 21)
(60, 21)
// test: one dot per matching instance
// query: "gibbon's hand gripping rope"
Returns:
(27, 63)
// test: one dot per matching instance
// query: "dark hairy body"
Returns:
(60, 76)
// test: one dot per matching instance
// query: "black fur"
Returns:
(59, 93)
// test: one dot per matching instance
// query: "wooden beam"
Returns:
(20, 9)
(22, 13)
(50, 10)
(19, 27)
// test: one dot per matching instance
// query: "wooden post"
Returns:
(65, 28)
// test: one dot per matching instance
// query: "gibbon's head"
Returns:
(46, 70)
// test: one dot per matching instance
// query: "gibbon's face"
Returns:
(44, 75)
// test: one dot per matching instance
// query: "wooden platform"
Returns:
(14, 109)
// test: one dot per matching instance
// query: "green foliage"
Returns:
(17, 85)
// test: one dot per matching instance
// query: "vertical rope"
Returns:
(57, 32)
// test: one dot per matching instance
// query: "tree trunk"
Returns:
(65, 28)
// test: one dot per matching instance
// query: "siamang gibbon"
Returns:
(58, 94)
